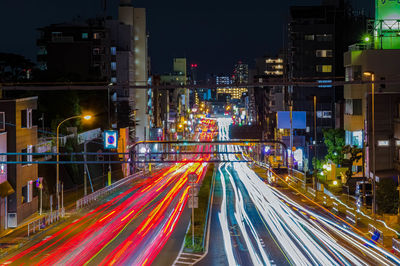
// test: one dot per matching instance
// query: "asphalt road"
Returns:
(145, 214)
(254, 223)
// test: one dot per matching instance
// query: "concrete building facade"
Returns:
(138, 98)
(21, 138)
(383, 64)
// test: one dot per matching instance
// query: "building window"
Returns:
(2, 121)
(323, 53)
(309, 37)
(353, 107)
(56, 34)
(29, 191)
(324, 68)
(85, 35)
(24, 194)
(357, 107)
(26, 118)
(113, 66)
(96, 35)
(24, 157)
(27, 158)
(113, 50)
(324, 37)
(353, 73)
(354, 138)
(96, 51)
(113, 80)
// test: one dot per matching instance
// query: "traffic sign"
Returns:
(192, 178)
(193, 202)
(193, 191)
(110, 139)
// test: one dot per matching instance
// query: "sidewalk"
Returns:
(14, 238)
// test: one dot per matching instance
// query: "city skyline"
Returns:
(204, 33)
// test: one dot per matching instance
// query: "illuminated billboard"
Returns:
(387, 9)
(387, 24)
(298, 120)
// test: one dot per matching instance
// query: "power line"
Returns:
(322, 82)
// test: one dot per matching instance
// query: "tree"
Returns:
(355, 155)
(387, 197)
(14, 67)
(334, 141)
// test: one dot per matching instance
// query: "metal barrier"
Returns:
(42, 222)
(373, 231)
(105, 191)
(335, 207)
(396, 245)
(325, 202)
(351, 217)
(312, 192)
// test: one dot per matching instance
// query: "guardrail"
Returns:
(373, 230)
(42, 222)
(396, 245)
(335, 207)
(312, 191)
(104, 191)
(351, 217)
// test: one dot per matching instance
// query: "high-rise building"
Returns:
(373, 62)
(75, 51)
(138, 98)
(240, 73)
(317, 37)
(177, 97)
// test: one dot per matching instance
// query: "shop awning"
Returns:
(6, 189)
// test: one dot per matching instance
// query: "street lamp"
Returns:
(85, 117)
(372, 76)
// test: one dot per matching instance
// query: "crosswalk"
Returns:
(187, 259)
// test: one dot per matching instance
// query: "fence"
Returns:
(375, 232)
(396, 245)
(312, 191)
(42, 222)
(104, 191)
(351, 217)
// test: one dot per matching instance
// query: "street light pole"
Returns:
(86, 117)
(373, 145)
(372, 75)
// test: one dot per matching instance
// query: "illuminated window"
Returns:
(323, 53)
(113, 66)
(85, 35)
(309, 37)
(113, 50)
(324, 68)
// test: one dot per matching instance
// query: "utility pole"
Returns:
(291, 136)
(315, 139)
(84, 169)
(398, 188)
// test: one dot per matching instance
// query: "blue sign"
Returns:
(110, 139)
(298, 120)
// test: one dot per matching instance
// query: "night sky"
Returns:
(212, 33)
